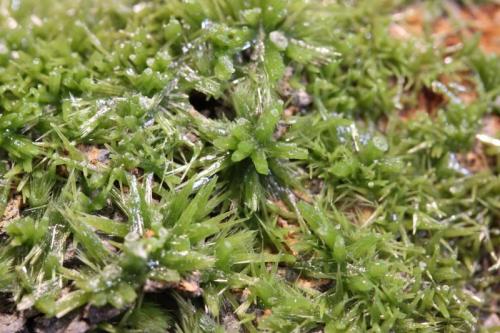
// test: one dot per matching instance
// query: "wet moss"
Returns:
(272, 165)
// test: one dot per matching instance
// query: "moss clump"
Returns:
(271, 165)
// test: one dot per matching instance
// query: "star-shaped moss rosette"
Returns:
(251, 134)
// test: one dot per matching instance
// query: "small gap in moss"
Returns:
(210, 107)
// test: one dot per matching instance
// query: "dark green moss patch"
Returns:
(271, 165)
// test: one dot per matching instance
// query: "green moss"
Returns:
(232, 152)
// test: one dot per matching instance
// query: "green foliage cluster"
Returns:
(237, 147)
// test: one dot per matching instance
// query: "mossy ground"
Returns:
(257, 165)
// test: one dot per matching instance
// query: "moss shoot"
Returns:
(248, 166)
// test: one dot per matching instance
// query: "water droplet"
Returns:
(207, 24)
(200, 182)
(278, 39)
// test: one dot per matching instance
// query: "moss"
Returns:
(266, 165)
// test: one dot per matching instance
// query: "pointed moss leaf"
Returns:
(244, 149)
(172, 30)
(242, 130)
(106, 225)
(186, 261)
(238, 156)
(287, 150)
(164, 274)
(252, 190)
(228, 250)
(273, 63)
(343, 169)
(339, 249)
(364, 246)
(251, 16)
(91, 243)
(6, 274)
(150, 317)
(323, 228)
(259, 160)
(441, 306)
(195, 206)
(267, 122)
(178, 204)
(305, 53)
(243, 99)
(224, 68)
(19, 147)
(273, 12)
(69, 302)
(226, 143)
(377, 269)
(122, 296)
(359, 283)
(26, 231)
(138, 212)
(446, 273)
